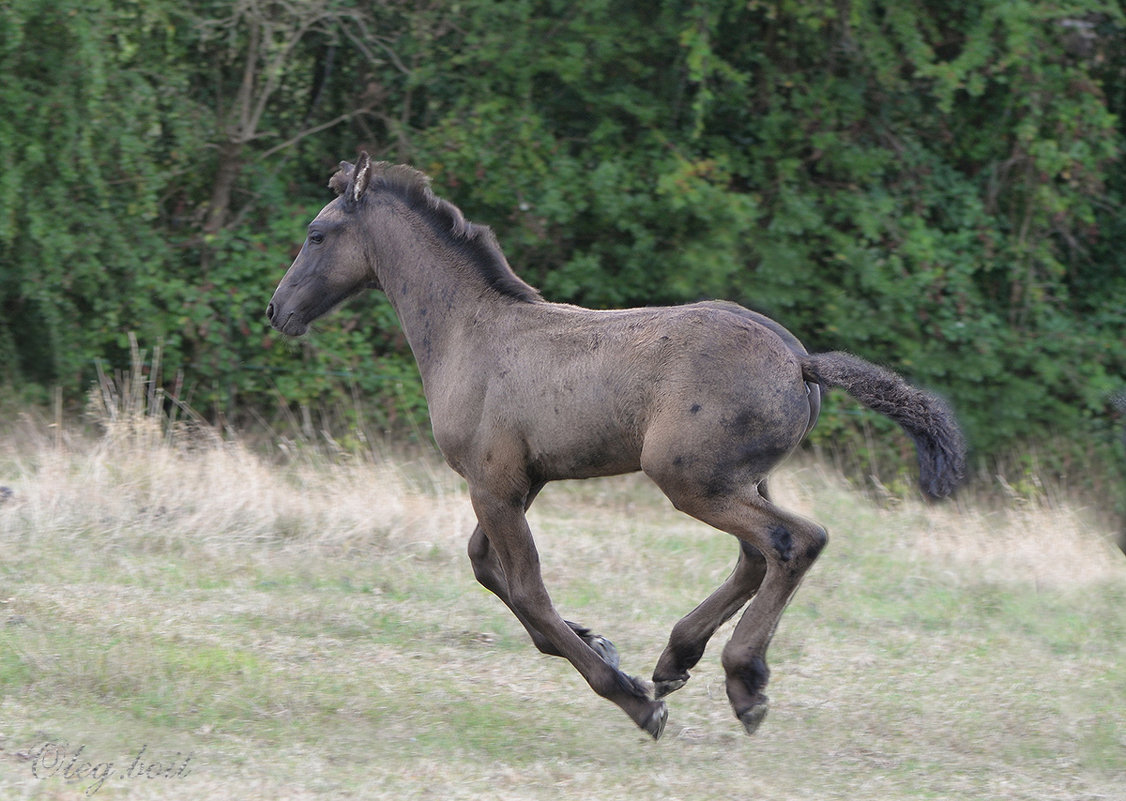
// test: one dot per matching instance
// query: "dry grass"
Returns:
(308, 627)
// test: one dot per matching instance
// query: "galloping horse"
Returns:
(705, 398)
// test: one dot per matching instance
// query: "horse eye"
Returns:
(316, 237)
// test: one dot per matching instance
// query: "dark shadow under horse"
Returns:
(705, 398)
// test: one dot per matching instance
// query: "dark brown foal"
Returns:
(707, 399)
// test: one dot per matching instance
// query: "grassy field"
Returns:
(184, 619)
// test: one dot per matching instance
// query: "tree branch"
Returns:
(315, 129)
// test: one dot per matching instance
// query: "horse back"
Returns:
(573, 393)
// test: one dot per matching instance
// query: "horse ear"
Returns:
(361, 177)
(338, 183)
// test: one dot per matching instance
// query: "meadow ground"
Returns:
(186, 619)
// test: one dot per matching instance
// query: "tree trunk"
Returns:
(230, 163)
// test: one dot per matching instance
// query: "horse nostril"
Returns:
(270, 312)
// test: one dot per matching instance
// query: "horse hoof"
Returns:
(655, 723)
(752, 717)
(663, 688)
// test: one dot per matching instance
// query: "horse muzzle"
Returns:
(285, 321)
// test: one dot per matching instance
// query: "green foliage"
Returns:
(925, 185)
(934, 186)
(77, 204)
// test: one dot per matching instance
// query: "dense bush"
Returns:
(934, 185)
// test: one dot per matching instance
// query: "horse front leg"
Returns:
(505, 528)
(490, 574)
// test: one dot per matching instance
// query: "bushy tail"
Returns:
(929, 421)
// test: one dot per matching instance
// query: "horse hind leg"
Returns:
(789, 545)
(490, 574)
(690, 636)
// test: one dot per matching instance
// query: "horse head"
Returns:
(334, 263)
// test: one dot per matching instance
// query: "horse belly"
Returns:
(582, 435)
(585, 456)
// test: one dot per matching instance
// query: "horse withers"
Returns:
(705, 398)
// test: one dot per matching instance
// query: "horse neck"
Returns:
(431, 283)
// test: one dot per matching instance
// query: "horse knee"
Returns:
(480, 549)
(533, 603)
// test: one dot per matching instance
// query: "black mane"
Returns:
(413, 187)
